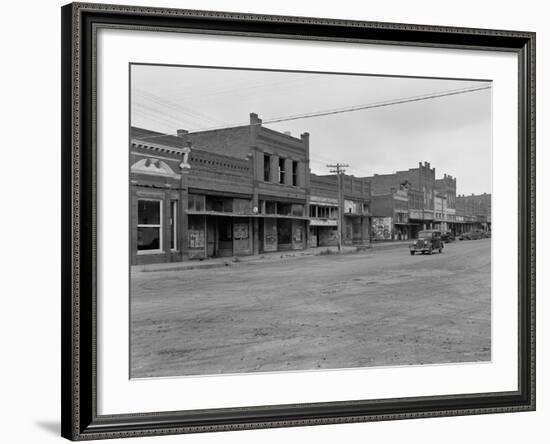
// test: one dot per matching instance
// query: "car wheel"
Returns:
(412, 253)
(440, 250)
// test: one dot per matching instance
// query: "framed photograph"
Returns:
(281, 221)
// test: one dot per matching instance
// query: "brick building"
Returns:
(475, 210)
(430, 203)
(446, 191)
(228, 192)
(388, 191)
(390, 211)
(325, 212)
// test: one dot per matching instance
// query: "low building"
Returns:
(323, 211)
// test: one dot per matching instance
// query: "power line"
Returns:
(322, 113)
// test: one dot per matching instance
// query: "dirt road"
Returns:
(336, 311)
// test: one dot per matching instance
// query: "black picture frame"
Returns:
(80, 420)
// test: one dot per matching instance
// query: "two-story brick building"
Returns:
(227, 192)
(475, 211)
(388, 192)
(328, 210)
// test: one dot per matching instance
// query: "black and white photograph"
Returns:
(285, 221)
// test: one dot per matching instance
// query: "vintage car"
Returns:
(471, 235)
(447, 237)
(428, 241)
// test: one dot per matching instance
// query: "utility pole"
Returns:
(339, 169)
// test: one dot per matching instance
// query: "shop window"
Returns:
(284, 209)
(297, 210)
(294, 173)
(219, 204)
(282, 172)
(267, 167)
(149, 229)
(270, 207)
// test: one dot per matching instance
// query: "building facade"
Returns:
(475, 210)
(430, 203)
(390, 220)
(328, 209)
(419, 186)
(229, 192)
(248, 190)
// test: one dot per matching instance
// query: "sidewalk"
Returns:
(271, 256)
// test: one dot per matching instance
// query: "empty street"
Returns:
(378, 307)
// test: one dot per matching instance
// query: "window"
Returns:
(294, 173)
(173, 224)
(297, 210)
(149, 225)
(219, 204)
(267, 167)
(195, 202)
(284, 209)
(271, 207)
(282, 172)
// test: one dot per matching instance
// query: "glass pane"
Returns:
(173, 207)
(148, 212)
(148, 238)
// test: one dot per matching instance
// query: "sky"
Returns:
(453, 133)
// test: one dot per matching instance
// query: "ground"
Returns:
(371, 308)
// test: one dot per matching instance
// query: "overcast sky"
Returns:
(453, 133)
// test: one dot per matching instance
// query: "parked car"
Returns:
(428, 241)
(476, 234)
(472, 235)
(447, 237)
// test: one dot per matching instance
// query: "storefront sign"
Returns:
(196, 238)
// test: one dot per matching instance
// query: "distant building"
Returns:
(476, 210)
(390, 220)
(419, 184)
(430, 203)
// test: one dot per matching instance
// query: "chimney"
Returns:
(254, 119)
(182, 132)
(305, 140)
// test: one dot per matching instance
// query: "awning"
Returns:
(323, 223)
(224, 214)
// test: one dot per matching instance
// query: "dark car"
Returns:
(476, 234)
(447, 237)
(471, 235)
(428, 241)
